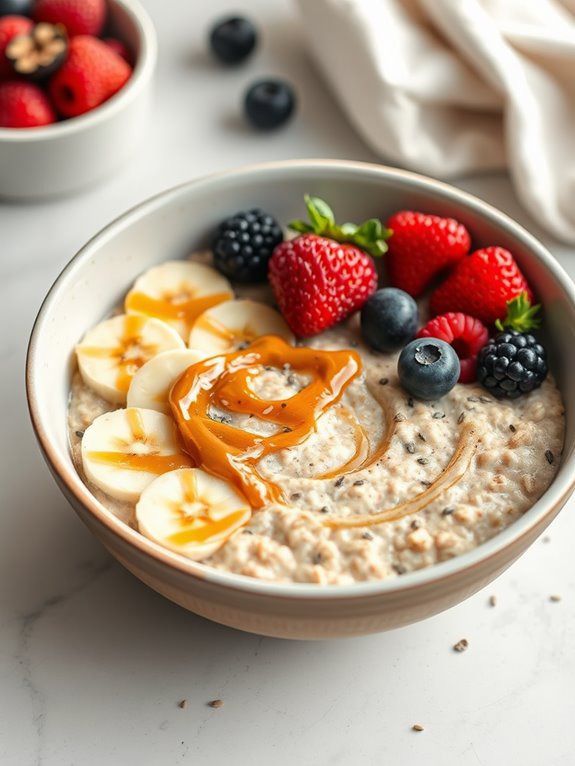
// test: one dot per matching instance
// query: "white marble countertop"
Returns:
(93, 664)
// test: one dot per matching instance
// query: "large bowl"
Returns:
(171, 225)
(58, 159)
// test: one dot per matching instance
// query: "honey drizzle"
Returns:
(170, 309)
(201, 532)
(454, 472)
(224, 381)
(151, 463)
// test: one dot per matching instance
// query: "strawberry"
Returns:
(466, 334)
(120, 48)
(11, 26)
(24, 105)
(325, 274)
(481, 284)
(80, 17)
(90, 75)
(421, 247)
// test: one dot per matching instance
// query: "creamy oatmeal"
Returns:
(383, 484)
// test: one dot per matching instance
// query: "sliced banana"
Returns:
(177, 292)
(123, 451)
(191, 512)
(230, 325)
(110, 353)
(151, 384)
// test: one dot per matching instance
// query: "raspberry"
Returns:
(24, 105)
(11, 26)
(91, 74)
(466, 334)
(80, 17)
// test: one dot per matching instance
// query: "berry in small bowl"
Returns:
(88, 107)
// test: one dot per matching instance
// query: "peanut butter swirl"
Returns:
(224, 382)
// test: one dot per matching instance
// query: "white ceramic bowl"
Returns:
(75, 153)
(170, 226)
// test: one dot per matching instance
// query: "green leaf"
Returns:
(320, 214)
(521, 315)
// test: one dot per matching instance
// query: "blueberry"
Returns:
(269, 103)
(232, 39)
(389, 319)
(428, 368)
(16, 7)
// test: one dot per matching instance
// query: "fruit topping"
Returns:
(90, 75)
(244, 244)
(269, 103)
(481, 285)
(423, 246)
(233, 39)
(511, 364)
(24, 105)
(428, 368)
(389, 319)
(39, 53)
(325, 274)
(16, 7)
(464, 333)
(521, 315)
(80, 17)
(11, 27)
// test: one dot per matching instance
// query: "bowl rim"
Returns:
(540, 512)
(141, 74)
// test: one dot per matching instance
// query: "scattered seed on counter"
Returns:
(182, 704)
(461, 645)
(216, 703)
(549, 456)
(492, 600)
(546, 539)
(417, 727)
(555, 597)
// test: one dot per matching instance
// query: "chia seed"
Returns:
(295, 496)
(485, 399)
(447, 511)
(422, 460)
(399, 416)
(291, 380)
(359, 482)
(324, 509)
(410, 447)
(422, 437)
(367, 535)
(512, 428)
(461, 645)
(549, 456)
(383, 381)
(438, 415)
(339, 482)
(472, 398)
(398, 569)
(415, 524)
(410, 402)
(461, 418)
(425, 483)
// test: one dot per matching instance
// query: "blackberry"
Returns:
(511, 364)
(244, 244)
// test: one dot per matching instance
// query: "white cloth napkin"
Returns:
(449, 87)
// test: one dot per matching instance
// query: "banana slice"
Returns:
(191, 512)
(151, 384)
(230, 325)
(123, 451)
(177, 292)
(110, 353)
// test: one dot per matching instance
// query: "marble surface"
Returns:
(93, 665)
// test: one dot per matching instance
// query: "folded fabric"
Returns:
(450, 87)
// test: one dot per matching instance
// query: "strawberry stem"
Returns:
(521, 315)
(370, 236)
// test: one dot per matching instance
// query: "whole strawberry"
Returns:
(24, 105)
(11, 26)
(325, 274)
(91, 74)
(80, 17)
(421, 247)
(482, 284)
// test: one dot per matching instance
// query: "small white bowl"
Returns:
(174, 223)
(75, 153)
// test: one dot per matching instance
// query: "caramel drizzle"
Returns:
(454, 472)
(173, 307)
(224, 381)
(130, 352)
